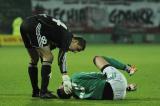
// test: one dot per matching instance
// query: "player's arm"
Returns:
(63, 68)
(62, 61)
(131, 87)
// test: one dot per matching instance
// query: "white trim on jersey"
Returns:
(59, 23)
(62, 61)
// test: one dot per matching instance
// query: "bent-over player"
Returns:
(42, 33)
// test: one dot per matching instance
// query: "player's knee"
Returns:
(31, 64)
(48, 58)
(96, 59)
(34, 61)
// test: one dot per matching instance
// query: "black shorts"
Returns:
(31, 33)
(107, 92)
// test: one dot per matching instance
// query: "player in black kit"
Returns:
(42, 33)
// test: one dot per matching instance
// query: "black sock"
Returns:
(33, 74)
(45, 71)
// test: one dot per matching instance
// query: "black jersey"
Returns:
(42, 30)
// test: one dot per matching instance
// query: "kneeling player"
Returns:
(110, 84)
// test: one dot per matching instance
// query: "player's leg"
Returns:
(117, 64)
(115, 78)
(47, 58)
(32, 68)
(33, 71)
(29, 29)
(100, 62)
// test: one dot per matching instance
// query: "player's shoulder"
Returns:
(86, 74)
(44, 16)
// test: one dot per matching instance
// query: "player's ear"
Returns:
(74, 40)
(80, 41)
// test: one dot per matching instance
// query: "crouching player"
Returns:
(110, 84)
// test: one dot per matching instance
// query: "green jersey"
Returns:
(88, 85)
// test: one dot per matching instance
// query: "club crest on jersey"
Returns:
(41, 39)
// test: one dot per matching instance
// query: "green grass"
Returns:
(15, 89)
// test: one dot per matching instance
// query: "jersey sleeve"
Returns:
(62, 61)
(66, 40)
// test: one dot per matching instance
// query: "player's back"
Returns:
(88, 85)
(49, 27)
(53, 29)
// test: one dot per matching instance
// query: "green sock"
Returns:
(115, 63)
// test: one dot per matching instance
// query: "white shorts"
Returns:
(117, 80)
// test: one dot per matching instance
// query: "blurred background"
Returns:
(98, 21)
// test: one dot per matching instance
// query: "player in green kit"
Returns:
(109, 84)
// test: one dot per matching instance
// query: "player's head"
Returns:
(78, 44)
(61, 94)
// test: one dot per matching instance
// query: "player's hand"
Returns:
(67, 84)
(132, 87)
(131, 69)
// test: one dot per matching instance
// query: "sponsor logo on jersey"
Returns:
(41, 39)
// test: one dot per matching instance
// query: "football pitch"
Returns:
(15, 88)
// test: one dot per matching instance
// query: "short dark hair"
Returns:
(81, 42)
(61, 94)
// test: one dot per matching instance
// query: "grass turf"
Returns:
(15, 88)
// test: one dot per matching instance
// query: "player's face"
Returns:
(75, 47)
